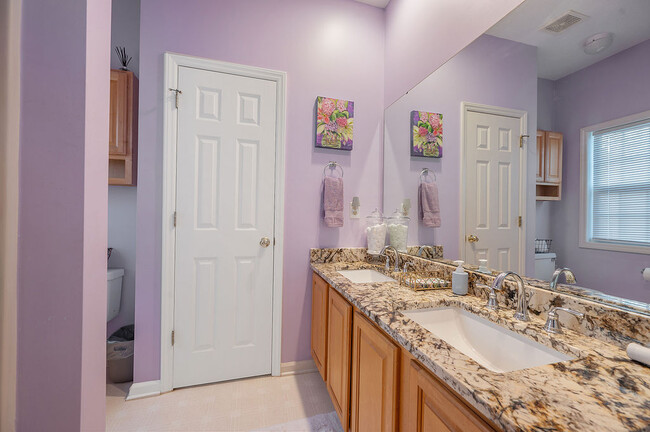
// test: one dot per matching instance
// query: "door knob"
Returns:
(472, 238)
(265, 242)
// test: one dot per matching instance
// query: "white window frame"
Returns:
(585, 153)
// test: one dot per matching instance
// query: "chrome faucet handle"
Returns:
(407, 264)
(492, 303)
(387, 265)
(553, 324)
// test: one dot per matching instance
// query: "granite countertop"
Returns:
(602, 389)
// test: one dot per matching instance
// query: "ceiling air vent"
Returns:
(564, 22)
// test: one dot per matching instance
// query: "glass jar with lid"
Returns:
(376, 232)
(398, 226)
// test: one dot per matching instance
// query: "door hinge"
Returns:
(178, 92)
(521, 139)
(520, 221)
(174, 219)
(172, 337)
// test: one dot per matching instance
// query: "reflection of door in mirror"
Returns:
(492, 163)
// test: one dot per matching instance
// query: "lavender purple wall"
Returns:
(489, 71)
(332, 48)
(62, 232)
(613, 88)
(421, 35)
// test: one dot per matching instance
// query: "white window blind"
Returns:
(619, 185)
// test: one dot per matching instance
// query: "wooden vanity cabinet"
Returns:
(375, 373)
(319, 303)
(123, 129)
(374, 384)
(429, 405)
(339, 344)
(549, 165)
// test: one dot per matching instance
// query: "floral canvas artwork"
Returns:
(334, 123)
(426, 137)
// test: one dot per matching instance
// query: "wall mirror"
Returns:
(513, 105)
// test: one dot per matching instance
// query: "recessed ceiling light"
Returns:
(598, 42)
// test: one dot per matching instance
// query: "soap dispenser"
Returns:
(459, 279)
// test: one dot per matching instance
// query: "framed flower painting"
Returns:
(426, 134)
(334, 123)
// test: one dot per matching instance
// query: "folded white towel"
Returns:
(639, 353)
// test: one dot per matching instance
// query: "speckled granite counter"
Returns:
(602, 390)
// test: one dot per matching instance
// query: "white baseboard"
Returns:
(297, 367)
(144, 389)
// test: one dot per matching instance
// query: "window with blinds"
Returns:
(618, 184)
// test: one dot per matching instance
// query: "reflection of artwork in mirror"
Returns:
(426, 137)
(334, 122)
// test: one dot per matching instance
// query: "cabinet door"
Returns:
(553, 158)
(539, 177)
(319, 293)
(339, 335)
(118, 121)
(374, 378)
(433, 407)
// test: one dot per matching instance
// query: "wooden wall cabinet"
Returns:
(123, 129)
(319, 303)
(375, 373)
(339, 344)
(549, 166)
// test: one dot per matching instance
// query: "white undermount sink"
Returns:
(492, 346)
(365, 276)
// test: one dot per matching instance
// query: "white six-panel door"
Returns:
(492, 167)
(225, 207)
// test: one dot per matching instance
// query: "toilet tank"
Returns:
(544, 266)
(115, 276)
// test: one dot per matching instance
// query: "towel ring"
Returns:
(332, 166)
(425, 172)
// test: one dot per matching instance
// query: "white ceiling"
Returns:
(378, 3)
(561, 54)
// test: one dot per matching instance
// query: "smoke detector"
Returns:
(598, 42)
(564, 22)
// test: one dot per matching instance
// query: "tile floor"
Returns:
(241, 405)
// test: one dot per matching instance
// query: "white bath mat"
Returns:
(328, 422)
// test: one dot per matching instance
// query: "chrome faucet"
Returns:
(422, 248)
(570, 277)
(407, 264)
(383, 254)
(522, 302)
(553, 324)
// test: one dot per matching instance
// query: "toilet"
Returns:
(544, 265)
(115, 276)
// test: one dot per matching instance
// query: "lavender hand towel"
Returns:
(429, 205)
(333, 201)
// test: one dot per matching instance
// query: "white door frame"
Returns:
(466, 108)
(170, 121)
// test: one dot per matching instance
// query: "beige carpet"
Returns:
(243, 405)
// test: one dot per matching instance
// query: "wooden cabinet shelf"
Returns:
(123, 129)
(549, 166)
